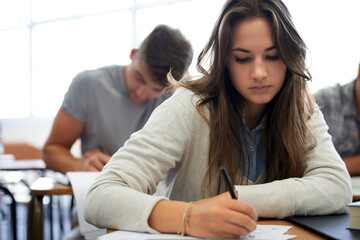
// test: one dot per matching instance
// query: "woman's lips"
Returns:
(260, 88)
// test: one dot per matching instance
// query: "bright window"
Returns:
(44, 10)
(15, 94)
(14, 13)
(45, 43)
(330, 30)
(64, 48)
(181, 15)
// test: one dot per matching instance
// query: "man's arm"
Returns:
(353, 165)
(56, 151)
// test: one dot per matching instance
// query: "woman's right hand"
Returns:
(221, 217)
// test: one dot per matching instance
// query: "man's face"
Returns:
(140, 85)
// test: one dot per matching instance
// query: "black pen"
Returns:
(101, 148)
(228, 182)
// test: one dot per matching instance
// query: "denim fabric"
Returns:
(338, 106)
(254, 149)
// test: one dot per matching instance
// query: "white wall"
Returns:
(32, 130)
(330, 29)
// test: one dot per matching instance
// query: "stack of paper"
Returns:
(354, 223)
(263, 232)
(355, 184)
(80, 183)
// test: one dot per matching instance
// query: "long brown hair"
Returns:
(286, 136)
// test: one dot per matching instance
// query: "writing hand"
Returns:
(95, 160)
(221, 217)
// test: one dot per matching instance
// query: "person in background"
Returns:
(1, 142)
(103, 107)
(252, 113)
(341, 108)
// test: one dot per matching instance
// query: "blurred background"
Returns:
(45, 43)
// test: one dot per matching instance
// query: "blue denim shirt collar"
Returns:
(254, 149)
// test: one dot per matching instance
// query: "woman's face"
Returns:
(254, 65)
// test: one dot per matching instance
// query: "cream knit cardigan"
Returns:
(172, 149)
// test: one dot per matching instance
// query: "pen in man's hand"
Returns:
(101, 148)
(228, 182)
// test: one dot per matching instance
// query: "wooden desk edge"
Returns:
(47, 186)
(300, 232)
(58, 189)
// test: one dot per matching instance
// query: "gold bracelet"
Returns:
(185, 219)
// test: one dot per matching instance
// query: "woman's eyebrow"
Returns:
(270, 48)
(247, 51)
(241, 50)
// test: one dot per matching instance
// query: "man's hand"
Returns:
(95, 160)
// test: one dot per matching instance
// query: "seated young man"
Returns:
(1, 143)
(341, 108)
(103, 107)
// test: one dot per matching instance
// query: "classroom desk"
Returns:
(24, 164)
(5, 179)
(300, 232)
(41, 187)
(8, 176)
(47, 186)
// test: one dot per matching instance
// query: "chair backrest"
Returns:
(22, 150)
(5, 191)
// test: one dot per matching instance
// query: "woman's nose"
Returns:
(259, 71)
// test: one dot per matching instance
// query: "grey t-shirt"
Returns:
(99, 99)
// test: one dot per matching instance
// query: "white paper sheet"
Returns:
(263, 232)
(80, 183)
(355, 183)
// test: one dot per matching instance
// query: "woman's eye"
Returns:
(273, 58)
(241, 60)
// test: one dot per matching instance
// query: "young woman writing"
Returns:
(250, 112)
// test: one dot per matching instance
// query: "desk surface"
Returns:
(48, 186)
(27, 164)
(11, 176)
(300, 232)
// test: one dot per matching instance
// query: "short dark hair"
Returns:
(165, 49)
